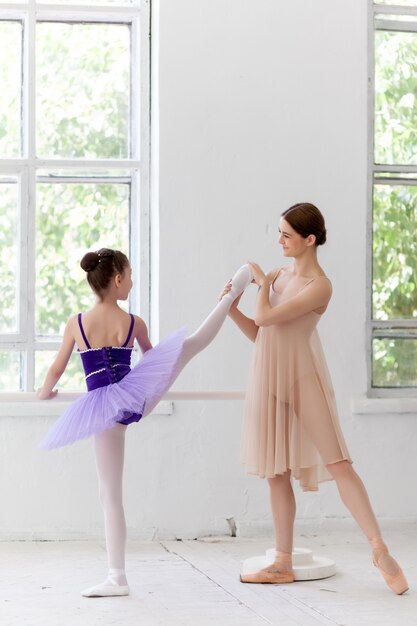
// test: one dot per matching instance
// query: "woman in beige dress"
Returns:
(291, 425)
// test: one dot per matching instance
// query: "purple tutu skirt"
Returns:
(127, 400)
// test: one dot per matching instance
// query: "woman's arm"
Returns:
(246, 324)
(57, 368)
(314, 296)
(140, 333)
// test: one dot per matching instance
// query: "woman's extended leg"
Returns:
(283, 513)
(109, 447)
(355, 497)
(312, 409)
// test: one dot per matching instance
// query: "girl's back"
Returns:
(103, 326)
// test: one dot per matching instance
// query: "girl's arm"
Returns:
(57, 368)
(140, 333)
(314, 296)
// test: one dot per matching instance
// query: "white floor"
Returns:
(197, 583)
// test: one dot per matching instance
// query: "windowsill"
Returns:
(383, 406)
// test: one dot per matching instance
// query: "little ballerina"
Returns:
(118, 395)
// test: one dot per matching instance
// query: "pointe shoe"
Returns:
(241, 279)
(396, 582)
(264, 576)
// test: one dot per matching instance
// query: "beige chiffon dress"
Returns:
(291, 419)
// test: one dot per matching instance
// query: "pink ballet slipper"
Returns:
(279, 572)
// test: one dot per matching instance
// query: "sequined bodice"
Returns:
(106, 365)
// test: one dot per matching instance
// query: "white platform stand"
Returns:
(306, 567)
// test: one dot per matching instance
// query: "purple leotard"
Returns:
(104, 366)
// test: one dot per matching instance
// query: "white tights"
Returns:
(205, 334)
(110, 451)
(109, 445)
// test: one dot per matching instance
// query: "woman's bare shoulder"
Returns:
(324, 280)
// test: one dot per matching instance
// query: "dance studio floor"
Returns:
(196, 583)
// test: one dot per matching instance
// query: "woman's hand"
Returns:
(225, 291)
(258, 275)
(43, 395)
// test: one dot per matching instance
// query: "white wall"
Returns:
(262, 104)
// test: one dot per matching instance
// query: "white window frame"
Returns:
(26, 167)
(391, 326)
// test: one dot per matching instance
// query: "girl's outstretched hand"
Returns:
(258, 274)
(43, 395)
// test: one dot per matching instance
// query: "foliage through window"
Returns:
(394, 198)
(73, 111)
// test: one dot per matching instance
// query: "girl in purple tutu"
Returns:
(118, 395)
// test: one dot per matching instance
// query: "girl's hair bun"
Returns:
(101, 266)
(90, 261)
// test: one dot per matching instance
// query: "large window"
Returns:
(73, 167)
(393, 197)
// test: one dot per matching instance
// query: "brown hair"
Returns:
(306, 219)
(101, 266)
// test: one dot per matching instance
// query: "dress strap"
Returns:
(82, 331)
(132, 321)
(275, 277)
(312, 280)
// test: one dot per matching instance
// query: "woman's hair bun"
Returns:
(321, 239)
(306, 219)
(90, 261)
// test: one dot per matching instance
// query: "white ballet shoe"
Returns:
(242, 278)
(106, 589)
(110, 587)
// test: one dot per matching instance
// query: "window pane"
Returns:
(8, 255)
(10, 371)
(70, 220)
(83, 90)
(10, 88)
(395, 97)
(394, 289)
(394, 362)
(71, 380)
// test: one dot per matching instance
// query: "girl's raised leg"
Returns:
(205, 334)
